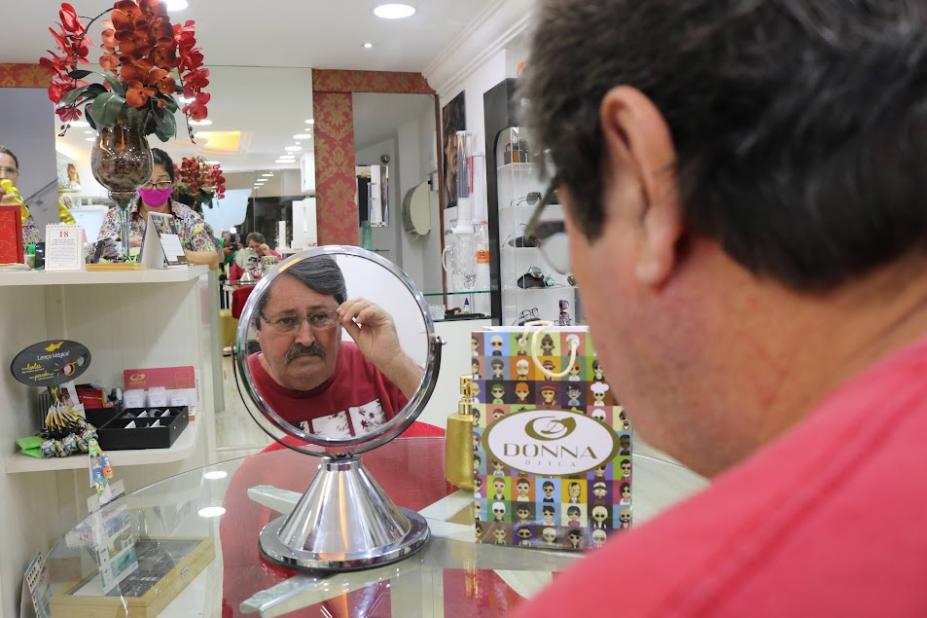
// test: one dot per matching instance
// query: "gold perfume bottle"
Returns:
(458, 445)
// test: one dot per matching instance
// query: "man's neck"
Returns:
(789, 350)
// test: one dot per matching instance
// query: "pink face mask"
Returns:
(155, 197)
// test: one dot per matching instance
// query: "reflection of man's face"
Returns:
(304, 358)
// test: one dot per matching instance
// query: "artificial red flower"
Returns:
(68, 113)
(161, 79)
(137, 93)
(57, 90)
(69, 19)
(197, 109)
(195, 81)
(56, 65)
(109, 62)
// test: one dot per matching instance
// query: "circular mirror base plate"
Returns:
(273, 549)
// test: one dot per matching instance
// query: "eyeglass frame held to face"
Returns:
(543, 231)
(277, 323)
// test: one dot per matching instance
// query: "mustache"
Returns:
(298, 349)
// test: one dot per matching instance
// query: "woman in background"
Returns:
(155, 196)
(9, 170)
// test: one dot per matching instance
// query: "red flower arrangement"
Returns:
(201, 181)
(146, 62)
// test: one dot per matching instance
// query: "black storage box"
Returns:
(100, 416)
(114, 436)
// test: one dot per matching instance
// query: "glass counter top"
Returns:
(199, 549)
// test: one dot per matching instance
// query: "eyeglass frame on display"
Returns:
(529, 199)
(542, 231)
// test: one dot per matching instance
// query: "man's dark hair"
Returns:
(548, 484)
(256, 237)
(800, 127)
(319, 273)
(159, 157)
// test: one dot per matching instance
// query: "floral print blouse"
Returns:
(30, 230)
(195, 233)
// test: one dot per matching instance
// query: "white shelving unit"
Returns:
(516, 181)
(132, 319)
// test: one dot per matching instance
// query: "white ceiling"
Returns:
(275, 33)
(259, 58)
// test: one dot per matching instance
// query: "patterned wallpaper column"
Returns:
(332, 90)
(23, 76)
(336, 210)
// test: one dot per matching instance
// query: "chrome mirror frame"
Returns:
(318, 535)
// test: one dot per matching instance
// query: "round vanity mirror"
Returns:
(336, 351)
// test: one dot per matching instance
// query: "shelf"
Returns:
(515, 288)
(516, 167)
(181, 449)
(41, 277)
(465, 293)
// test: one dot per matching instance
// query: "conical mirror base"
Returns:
(343, 522)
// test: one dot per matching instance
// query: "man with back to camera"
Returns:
(312, 378)
(748, 178)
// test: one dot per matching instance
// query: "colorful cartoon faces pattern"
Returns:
(514, 508)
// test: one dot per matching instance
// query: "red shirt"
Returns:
(354, 401)
(831, 520)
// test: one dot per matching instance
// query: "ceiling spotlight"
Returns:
(215, 475)
(293, 148)
(267, 175)
(80, 123)
(368, 45)
(201, 123)
(302, 136)
(310, 121)
(288, 157)
(90, 139)
(394, 11)
(176, 5)
(278, 161)
(211, 511)
(89, 132)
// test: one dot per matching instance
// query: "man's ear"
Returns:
(641, 153)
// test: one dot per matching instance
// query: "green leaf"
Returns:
(106, 106)
(93, 90)
(72, 95)
(89, 116)
(79, 73)
(118, 87)
(170, 102)
(165, 125)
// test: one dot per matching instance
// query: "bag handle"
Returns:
(574, 348)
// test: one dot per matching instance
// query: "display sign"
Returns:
(63, 247)
(50, 363)
(162, 246)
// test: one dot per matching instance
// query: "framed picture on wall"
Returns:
(453, 119)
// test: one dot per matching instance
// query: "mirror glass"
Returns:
(333, 345)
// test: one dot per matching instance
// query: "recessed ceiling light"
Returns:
(185, 100)
(215, 475)
(211, 511)
(201, 123)
(90, 139)
(80, 123)
(310, 121)
(176, 5)
(213, 163)
(267, 175)
(394, 11)
(290, 157)
(302, 136)
(368, 45)
(89, 132)
(278, 161)
(293, 148)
